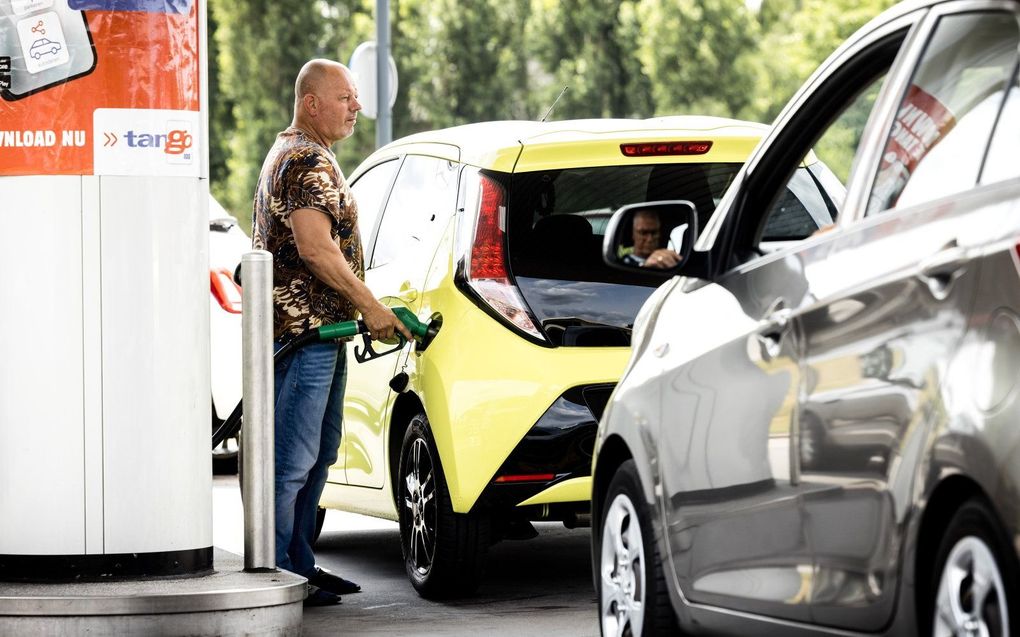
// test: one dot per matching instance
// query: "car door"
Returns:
(370, 188)
(737, 517)
(892, 304)
(730, 378)
(417, 212)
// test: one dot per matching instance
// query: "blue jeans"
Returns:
(309, 413)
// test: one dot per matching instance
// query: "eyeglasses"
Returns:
(647, 233)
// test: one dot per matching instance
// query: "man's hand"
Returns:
(382, 323)
(662, 259)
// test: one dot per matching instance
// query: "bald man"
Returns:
(306, 216)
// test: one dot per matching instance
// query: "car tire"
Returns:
(632, 593)
(444, 552)
(973, 549)
(224, 456)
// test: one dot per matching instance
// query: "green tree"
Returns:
(695, 55)
(797, 37)
(458, 62)
(221, 118)
(590, 47)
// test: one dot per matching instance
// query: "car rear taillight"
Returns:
(486, 272)
(653, 149)
(224, 290)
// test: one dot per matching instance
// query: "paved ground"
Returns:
(536, 587)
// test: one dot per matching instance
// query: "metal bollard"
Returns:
(257, 437)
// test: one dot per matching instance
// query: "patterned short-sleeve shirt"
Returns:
(301, 173)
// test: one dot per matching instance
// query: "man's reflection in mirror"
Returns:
(649, 249)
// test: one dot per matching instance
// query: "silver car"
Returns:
(818, 431)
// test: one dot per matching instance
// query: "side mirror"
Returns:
(653, 237)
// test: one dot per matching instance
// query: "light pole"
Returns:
(384, 123)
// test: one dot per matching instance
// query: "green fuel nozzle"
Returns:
(422, 331)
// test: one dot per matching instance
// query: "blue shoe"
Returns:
(333, 583)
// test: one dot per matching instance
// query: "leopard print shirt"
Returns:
(301, 173)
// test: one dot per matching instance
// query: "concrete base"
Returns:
(227, 602)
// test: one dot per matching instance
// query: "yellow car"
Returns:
(498, 228)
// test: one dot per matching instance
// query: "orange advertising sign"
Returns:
(99, 87)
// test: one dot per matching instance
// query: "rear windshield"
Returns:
(556, 224)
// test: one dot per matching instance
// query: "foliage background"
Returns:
(465, 61)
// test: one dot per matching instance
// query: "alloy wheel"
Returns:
(971, 598)
(622, 570)
(420, 502)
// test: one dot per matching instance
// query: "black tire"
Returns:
(224, 456)
(444, 552)
(639, 576)
(973, 543)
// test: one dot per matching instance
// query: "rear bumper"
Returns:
(552, 463)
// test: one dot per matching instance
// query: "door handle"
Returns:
(770, 335)
(771, 345)
(940, 271)
(778, 321)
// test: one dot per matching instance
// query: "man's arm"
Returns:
(325, 260)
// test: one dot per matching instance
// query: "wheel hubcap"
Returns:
(622, 570)
(419, 500)
(971, 599)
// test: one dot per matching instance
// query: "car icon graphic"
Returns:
(44, 46)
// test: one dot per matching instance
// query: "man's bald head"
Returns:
(314, 75)
(326, 101)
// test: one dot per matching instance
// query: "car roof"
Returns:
(521, 146)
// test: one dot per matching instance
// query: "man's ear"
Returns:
(311, 105)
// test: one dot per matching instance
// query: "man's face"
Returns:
(338, 105)
(646, 233)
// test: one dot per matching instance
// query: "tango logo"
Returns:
(174, 142)
(177, 141)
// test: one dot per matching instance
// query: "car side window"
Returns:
(814, 194)
(1003, 160)
(370, 192)
(423, 198)
(943, 123)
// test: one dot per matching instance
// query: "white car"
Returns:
(227, 243)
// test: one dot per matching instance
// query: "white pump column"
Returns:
(104, 379)
(104, 317)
